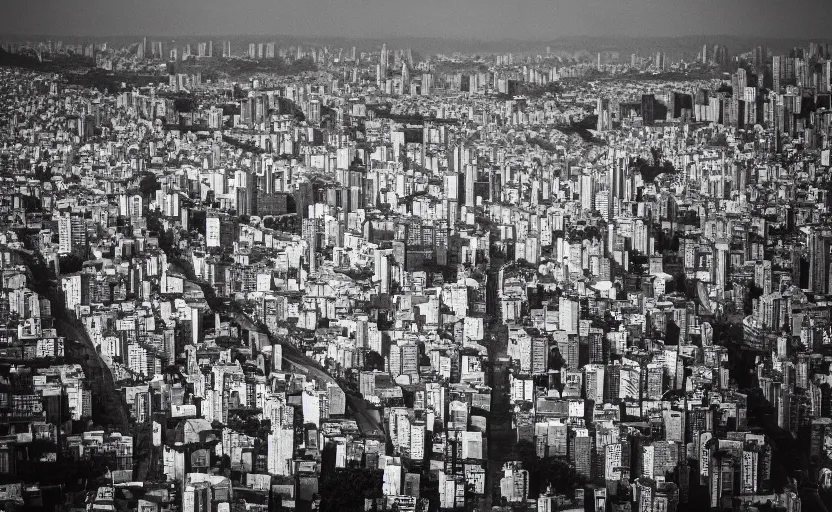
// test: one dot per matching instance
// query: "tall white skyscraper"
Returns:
(569, 313)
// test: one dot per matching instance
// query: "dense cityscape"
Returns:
(244, 275)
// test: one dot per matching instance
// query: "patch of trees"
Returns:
(546, 471)
(214, 68)
(71, 263)
(639, 263)
(415, 118)
(345, 490)
(55, 63)
(18, 60)
(541, 143)
(582, 129)
(230, 110)
(359, 274)
(154, 224)
(148, 185)
(374, 361)
(184, 103)
(245, 146)
(651, 170)
(286, 223)
(103, 80)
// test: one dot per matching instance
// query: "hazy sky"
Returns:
(453, 19)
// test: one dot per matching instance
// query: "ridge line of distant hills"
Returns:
(681, 45)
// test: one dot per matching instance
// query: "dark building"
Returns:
(648, 109)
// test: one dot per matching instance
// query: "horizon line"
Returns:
(427, 38)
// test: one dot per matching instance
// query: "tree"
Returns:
(524, 263)
(184, 104)
(639, 263)
(556, 360)
(148, 185)
(345, 490)
(545, 471)
(71, 263)
(374, 361)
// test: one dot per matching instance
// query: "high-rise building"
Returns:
(659, 62)
(819, 246)
(568, 347)
(586, 190)
(603, 203)
(382, 65)
(654, 381)
(749, 468)
(594, 382)
(648, 113)
(314, 116)
(640, 236)
(798, 411)
(383, 268)
(603, 111)
(196, 497)
(418, 435)
(721, 478)
(215, 118)
(597, 352)
(212, 232)
(367, 383)
(674, 425)
(310, 232)
(514, 485)
(72, 234)
(820, 429)
(281, 449)
(569, 313)
(580, 448)
(410, 359)
(539, 355)
(64, 234)
(776, 72)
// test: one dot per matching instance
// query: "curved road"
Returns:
(367, 422)
(101, 378)
(79, 348)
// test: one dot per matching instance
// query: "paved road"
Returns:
(297, 360)
(107, 404)
(500, 436)
(292, 355)
(112, 410)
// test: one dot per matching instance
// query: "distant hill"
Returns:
(673, 46)
(51, 64)
(21, 61)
